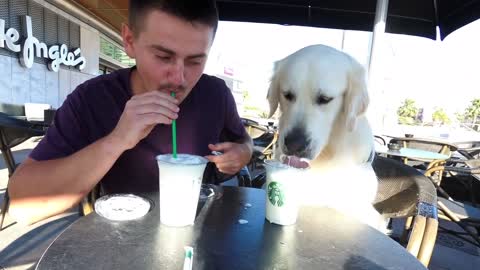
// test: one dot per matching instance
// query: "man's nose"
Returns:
(176, 75)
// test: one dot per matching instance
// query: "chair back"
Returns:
(49, 116)
(379, 140)
(469, 149)
(12, 109)
(253, 128)
(401, 188)
(405, 192)
(35, 111)
(15, 131)
(431, 145)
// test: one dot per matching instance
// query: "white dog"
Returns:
(323, 97)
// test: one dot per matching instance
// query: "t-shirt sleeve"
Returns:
(233, 130)
(67, 134)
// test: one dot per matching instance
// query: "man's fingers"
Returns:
(154, 102)
(212, 147)
(228, 169)
(213, 158)
(154, 118)
(157, 95)
(154, 108)
(228, 165)
(224, 166)
(232, 159)
(220, 161)
(221, 146)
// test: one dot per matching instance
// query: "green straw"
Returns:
(174, 134)
(188, 260)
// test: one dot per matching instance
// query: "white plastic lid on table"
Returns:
(120, 207)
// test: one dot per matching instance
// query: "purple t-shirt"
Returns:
(207, 115)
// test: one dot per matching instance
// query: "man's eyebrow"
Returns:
(200, 55)
(171, 52)
(161, 48)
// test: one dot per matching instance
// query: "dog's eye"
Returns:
(323, 100)
(289, 96)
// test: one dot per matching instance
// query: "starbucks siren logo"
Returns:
(275, 194)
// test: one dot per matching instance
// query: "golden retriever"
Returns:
(323, 98)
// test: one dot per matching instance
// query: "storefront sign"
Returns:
(57, 54)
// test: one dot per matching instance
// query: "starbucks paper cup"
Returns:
(282, 202)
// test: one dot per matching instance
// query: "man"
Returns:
(111, 128)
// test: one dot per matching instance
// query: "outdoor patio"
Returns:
(21, 246)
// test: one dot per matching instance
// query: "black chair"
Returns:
(469, 149)
(404, 192)
(13, 131)
(264, 140)
(49, 116)
(379, 140)
(431, 145)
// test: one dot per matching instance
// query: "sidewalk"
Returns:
(21, 246)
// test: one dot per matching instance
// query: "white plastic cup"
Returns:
(283, 184)
(180, 180)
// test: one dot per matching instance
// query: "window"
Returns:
(112, 50)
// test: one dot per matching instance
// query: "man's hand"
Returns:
(235, 156)
(141, 114)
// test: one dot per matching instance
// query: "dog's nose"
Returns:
(296, 142)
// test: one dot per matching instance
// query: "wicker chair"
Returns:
(465, 214)
(432, 145)
(253, 128)
(404, 192)
(86, 205)
(264, 139)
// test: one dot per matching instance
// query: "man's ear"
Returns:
(128, 38)
(273, 95)
(356, 98)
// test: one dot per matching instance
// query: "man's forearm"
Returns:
(248, 142)
(40, 189)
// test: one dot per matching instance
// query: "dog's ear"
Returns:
(356, 97)
(273, 95)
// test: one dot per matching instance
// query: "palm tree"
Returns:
(407, 112)
(473, 111)
(440, 116)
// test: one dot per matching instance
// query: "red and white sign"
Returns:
(228, 71)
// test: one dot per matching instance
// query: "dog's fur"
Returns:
(334, 135)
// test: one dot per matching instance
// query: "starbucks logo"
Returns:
(275, 194)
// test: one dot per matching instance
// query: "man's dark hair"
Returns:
(194, 11)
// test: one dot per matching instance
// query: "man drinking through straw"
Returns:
(110, 128)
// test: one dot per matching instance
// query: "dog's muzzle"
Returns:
(296, 143)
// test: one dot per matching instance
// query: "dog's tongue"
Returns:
(296, 162)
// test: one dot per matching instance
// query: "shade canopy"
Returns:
(411, 17)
